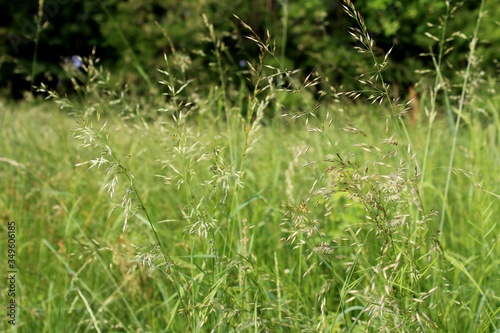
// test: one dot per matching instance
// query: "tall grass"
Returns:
(209, 213)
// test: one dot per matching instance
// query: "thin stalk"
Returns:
(367, 41)
(232, 224)
(439, 82)
(459, 116)
(284, 19)
(37, 39)
(438, 66)
(128, 176)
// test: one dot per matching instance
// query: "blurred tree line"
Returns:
(131, 36)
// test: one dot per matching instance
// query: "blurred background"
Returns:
(37, 38)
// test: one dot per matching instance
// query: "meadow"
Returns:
(264, 210)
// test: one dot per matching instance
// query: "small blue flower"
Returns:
(242, 63)
(77, 61)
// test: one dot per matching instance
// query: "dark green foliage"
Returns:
(132, 36)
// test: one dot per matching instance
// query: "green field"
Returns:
(266, 205)
(261, 228)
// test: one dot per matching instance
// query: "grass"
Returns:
(200, 217)
(78, 269)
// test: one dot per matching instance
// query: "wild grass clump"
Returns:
(258, 209)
